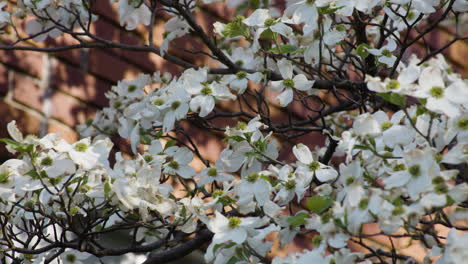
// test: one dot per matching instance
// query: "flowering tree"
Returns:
(395, 153)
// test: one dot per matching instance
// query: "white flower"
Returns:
(233, 229)
(254, 186)
(174, 28)
(42, 29)
(179, 164)
(455, 248)
(262, 20)
(4, 15)
(239, 81)
(307, 164)
(285, 86)
(419, 170)
(212, 174)
(204, 102)
(132, 13)
(85, 154)
(366, 124)
(440, 98)
(385, 53)
(304, 11)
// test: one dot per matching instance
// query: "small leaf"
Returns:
(235, 29)
(362, 50)
(394, 98)
(283, 49)
(299, 219)
(169, 144)
(318, 204)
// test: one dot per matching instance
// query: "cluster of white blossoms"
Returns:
(396, 169)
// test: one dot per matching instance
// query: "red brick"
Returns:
(63, 107)
(108, 66)
(3, 80)
(27, 61)
(65, 132)
(27, 91)
(105, 10)
(79, 84)
(69, 110)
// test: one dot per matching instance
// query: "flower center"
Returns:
(234, 222)
(174, 165)
(241, 125)
(212, 172)
(82, 147)
(314, 166)
(290, 185)
(47, 161)
(269, 22)
(252, 177)
(399, 167)
(415, 170)
(158, 102)
(363, 203)
(437, 92)
(131, 88)
(206, 90)
(218, 193)
(386, 53)
(386, 125)
(241, 75)
(463, 124)
(349, 180)
(392, 85)
(239, 63)
(288, 83)
(70, 258)
(148, 158)
(175, 105)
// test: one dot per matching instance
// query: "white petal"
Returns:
(303, 154)
(14, 132)
(301, 82)
(286, 68)
(282, 29)
(285, 97)
(277, 86)
(257, 18)
(397, 179)
(326, 174)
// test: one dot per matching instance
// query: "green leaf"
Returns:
(361, 147)
(169, 144)
(4, 177)
(328, 9)
(362, 50)
(9, 142)
(107, 188)
(17, 146)
(233, 260)
(33, 174)
(283, 49)
(235, 29)
(318, 204)
(237, 138)
(394, 98)
(299, 219)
